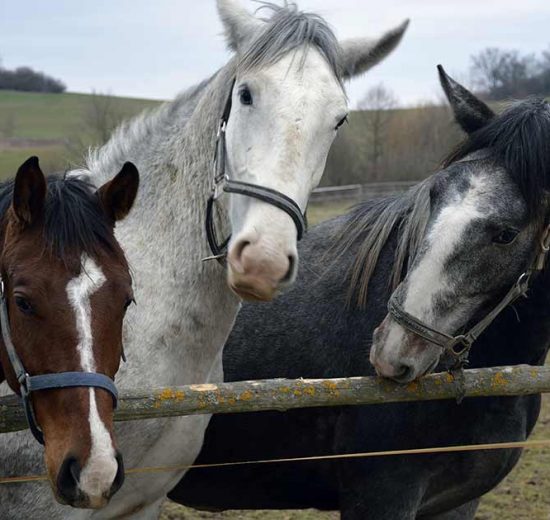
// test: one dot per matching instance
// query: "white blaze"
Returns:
(99, 473)
(428, 278)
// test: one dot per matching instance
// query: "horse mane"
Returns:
(371, 224)
(518, 139)
(74, 220)
(286, 30)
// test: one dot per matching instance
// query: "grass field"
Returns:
(53, 116)
(42, 124)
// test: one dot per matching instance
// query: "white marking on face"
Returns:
(100, 470)
(428, 277)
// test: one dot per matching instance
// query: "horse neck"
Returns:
(173, 149)
(521, 334)
(164, 238)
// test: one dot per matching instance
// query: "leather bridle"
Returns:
(458, 347)
(29, 384)
(223, 184)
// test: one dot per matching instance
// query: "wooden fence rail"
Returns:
(285, 394)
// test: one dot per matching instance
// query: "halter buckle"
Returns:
(463, 340)
(523, 282)
(24, 384)
(221, 128)
(217, 186)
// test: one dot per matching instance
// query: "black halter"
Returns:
(458, 347)
(28, 384)
(222, 183)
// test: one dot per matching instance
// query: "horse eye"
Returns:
(24, 305)
(128, 302)
(245, 96)
(341, 122)
(506, 236)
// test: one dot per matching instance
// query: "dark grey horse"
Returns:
(490, 194)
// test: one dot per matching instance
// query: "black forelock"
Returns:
(519, 141)
(74, 221)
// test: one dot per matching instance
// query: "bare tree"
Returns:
(101, 115)
(379, 102)
(500, 74)
(7, 128)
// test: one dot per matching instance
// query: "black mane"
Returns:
(519, 140)
(74, 220)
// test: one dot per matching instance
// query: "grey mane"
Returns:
(286, 30)
(372, 224)
(142, 128)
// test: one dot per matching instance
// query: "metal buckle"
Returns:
(221, 128)
(522, 283)
(460, 340)
(24, 384)
(218, 185)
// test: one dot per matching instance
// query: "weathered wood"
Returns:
(284, 394)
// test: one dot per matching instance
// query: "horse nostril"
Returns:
(290, 272)
(240, 247)
(403, 374)
(119, 478)
(67, 480)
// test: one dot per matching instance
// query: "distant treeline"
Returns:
(29, 80)
(502, 74)
(384, 142)
(409, 145)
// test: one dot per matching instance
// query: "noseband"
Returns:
(29, 384)
(223, 184)
(459, 346)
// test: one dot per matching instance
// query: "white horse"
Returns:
(287, 102)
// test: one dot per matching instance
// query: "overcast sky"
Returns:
(155, 48)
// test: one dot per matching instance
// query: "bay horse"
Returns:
(461, 239)
(264, 123)
(65, 287)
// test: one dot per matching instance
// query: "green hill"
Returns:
(45, 124)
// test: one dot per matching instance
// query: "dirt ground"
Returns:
(523, 495)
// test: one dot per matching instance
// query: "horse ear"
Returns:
(470, 112)
(240, 26)
(118, 195)
(29, 192)
(361, 54)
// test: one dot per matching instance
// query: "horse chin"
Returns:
(252, 288)
(250, 295)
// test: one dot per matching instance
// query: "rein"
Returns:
(29, 384)
(223, 184)
(459, 346)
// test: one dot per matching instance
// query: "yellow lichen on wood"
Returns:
(170, 394)
(412, 387)
(499, 380)
(246, 395)
(309, 390)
